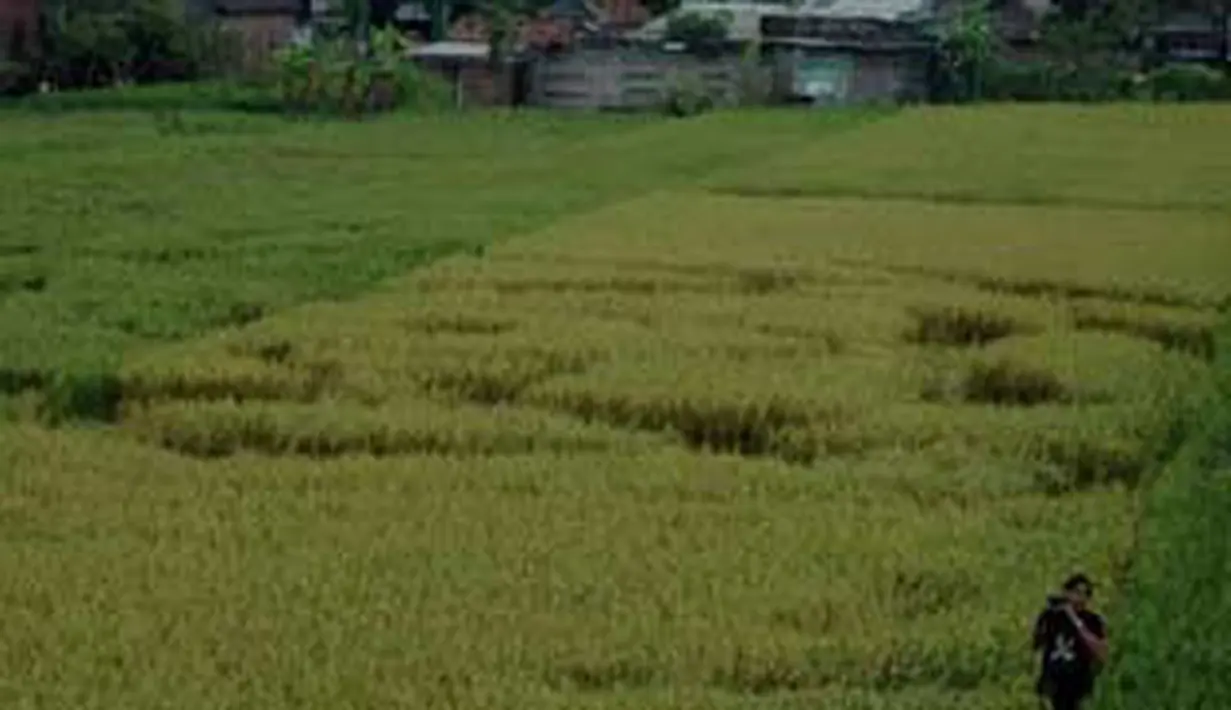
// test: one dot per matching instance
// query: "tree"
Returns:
(97, 42)
(965, 46)
(356, 18)
(699, 32)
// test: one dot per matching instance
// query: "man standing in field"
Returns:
(1073, 642)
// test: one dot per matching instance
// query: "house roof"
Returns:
(885, 10)
(411, 12)
(745, 18)
(452, 49)
(746, 14)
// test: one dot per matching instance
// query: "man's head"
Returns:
(1079, 589)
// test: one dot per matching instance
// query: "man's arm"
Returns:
(1095, 638)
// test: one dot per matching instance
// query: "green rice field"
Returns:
(763, 409)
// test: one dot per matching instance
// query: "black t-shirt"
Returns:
(1066, 659)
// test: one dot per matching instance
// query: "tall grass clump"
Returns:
(1176, 613)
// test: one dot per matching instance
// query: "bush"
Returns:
(139, 41)
(701, 34)
(688, 97)
(1185, 82)
(15, 78)
(1050, 81)
(331, 76)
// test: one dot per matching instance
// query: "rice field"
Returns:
(1121, 156)
(117, 235)
(742, 435)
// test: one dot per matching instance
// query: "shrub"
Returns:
(687, 96)
(142, 41)
(701, 34)
(15, 77)
(1048, 80)
(1185, 82)
(332, 76)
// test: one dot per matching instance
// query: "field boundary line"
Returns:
(1174, 609)
(958, 199)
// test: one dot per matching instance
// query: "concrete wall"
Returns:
(626, 79)
(886, 77)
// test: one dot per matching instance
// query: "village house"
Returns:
(558, 26)
(743, 16)
(857, 51)
(1192, 36)
(564, 27)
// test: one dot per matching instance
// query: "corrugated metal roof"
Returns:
(745, 20)
(746, 14)
(887, 10)
(411, 12)
(452, 50)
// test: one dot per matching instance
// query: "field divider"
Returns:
(1173, 620)
(752, 192)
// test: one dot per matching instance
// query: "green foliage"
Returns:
(1170, 648)
(687, 96)
(700, 33)
(105, 43)
(356, 15)
(15, 77)
(333, 75)
(1094, 51)
(1054, 80)
(1090, 27)
(964, 47)
(1185, 82)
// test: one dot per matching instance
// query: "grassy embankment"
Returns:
(1175, 617)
